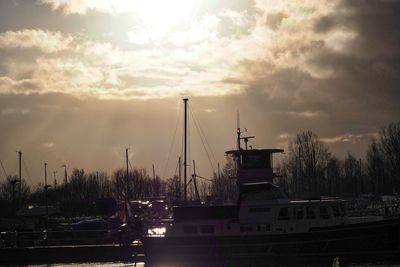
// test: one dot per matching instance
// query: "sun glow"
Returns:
(159, 18)
(161, 11)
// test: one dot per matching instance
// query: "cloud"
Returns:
(286, 50)
(24, 86)
(274, 20)
(45, 41)
(69, 7)
(352, 138)
(305, 114)
(17, 111)
(48, 145)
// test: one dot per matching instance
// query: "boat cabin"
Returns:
(254, 165)
(256, 218)
(262, 208)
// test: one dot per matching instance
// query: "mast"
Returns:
(20, 175)
(55, 179)
(127, 175)
(45, 188)
(194, 181)
(185, 100)
(238, 132)
(13, 182)
(65, 179)
(238, 141)
(154, 182)
(179, 179)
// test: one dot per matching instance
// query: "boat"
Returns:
(264, 224)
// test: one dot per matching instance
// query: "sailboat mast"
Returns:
(127, 175)
(185, 100)
(20, 175)
(65, 179)
(195, 182)
(180, 179)
(45, 189)
(155, 188)
(238, 131)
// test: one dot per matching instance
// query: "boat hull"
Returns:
(363, 241)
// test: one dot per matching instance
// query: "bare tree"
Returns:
(306, 164)
(225, 185)
(352, 175)
(334, 177)
(375, 168)
(10, 198)
(389, 141)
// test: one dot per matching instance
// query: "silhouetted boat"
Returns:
(265, 224)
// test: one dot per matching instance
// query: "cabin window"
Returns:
(255, 210)
(190, 229)
(310, 212)
(246, 227)
(207, 229)
(255, 161)
(323, 212)
(284, 214)
(336, 211)
(298, 213)
(263, 227)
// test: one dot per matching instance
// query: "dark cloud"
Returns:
(375, 22)
(274, 20)
(233, 80)
(358, 96)
(324, 24)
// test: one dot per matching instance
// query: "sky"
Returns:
(82, 80)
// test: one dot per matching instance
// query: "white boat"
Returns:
(266, 224)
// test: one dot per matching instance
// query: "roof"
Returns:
(257, 187)
(255, 151)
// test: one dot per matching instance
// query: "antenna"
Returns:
(238, 120)
(238, 130)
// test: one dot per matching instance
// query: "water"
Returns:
(141, 264)
(93, 264)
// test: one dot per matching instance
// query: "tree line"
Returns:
(311, 170)
(94, 193)
(308, 170)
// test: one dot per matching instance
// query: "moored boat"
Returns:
(266, 224)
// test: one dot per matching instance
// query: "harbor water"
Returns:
(142, 264)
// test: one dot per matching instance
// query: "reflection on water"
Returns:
(141, 264)
(93, 264)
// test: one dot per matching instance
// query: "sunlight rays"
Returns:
(159, 19)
